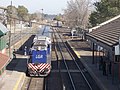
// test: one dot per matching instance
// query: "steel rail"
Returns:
(45, 84)
(67, 67)
(56, 52)
(28, 86)
(79, 68)
(73, 58)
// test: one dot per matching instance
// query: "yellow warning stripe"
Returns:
(76, 52)
(17, 83)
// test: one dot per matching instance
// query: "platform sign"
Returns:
(117, 50)
(39, 56)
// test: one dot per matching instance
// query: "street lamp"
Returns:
(42, 14)
(10, 31)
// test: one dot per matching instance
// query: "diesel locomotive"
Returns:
(39, 63)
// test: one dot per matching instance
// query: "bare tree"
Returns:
(77, 13)
(37, 16)
(69, 13)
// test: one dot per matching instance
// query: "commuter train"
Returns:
(39, 63)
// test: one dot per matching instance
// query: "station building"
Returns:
(105, 43)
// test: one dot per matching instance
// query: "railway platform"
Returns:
(14, 75)
(82, 50)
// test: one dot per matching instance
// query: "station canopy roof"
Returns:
(107, 34)
(3, 29)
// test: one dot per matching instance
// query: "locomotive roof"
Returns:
(40, 43)
(40, 37)
(45, 31)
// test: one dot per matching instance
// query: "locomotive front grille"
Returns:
(39, 69)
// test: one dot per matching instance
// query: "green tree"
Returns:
(22, 12)
(104, 10)
(33, 16)
(36, 16)
(12, 11)
(11, 14)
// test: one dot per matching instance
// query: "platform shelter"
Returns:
(104, 41)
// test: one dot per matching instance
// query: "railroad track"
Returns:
(73, 70)
(68, 73)
(72, 73)
(33, 83)
(54, 80)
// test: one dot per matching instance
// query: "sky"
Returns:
(48, 6)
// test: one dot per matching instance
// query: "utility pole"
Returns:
(14, 31)
(21, 34)
(42, 16)
(10, 32)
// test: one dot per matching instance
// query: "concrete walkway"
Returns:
(85, 55)
(14, 75)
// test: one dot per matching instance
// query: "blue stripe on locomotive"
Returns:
(39, 56)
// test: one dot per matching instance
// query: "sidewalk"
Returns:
(85, 55)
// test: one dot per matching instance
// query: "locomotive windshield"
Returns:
(40, 45)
